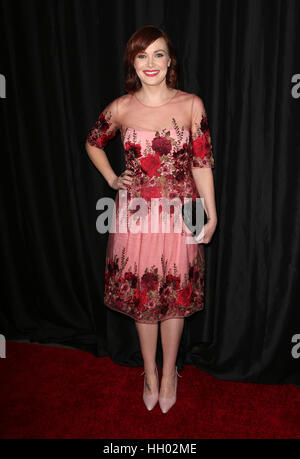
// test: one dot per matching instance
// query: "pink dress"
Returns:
(155, 275)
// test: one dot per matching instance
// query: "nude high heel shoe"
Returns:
(166, 403)
(150, 400)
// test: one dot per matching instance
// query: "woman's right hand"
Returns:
(124, 179)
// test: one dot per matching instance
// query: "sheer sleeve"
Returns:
(105, 127)
(201, 146)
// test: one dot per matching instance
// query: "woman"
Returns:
(156, 276)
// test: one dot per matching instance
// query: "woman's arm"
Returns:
(204, 181)
(202, 162)
(99, 159)
(99, 135)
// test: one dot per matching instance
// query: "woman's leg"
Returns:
(148, 344)
(171, 331)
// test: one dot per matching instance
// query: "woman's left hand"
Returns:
(208, 231)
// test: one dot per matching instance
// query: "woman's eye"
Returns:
(143, 55)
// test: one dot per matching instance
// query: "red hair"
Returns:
(138, 42)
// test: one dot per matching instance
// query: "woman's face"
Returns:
(151, 65)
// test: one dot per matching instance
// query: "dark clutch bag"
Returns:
(190, 211)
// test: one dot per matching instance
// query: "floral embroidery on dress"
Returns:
(153, 297)
(98, 136)
(141, 281)
(162, 168)
(201, 144)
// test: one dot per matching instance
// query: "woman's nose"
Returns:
(150, 61)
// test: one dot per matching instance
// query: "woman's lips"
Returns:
(153, 73)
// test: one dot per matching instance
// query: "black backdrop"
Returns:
(62, 61)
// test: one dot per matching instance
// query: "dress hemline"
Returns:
(151, 322)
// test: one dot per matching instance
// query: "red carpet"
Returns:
(52, 392)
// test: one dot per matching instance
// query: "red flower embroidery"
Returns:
(143, 298)
(173, 195)
(124, 291)
(201, 146)
(149, 281)
(102, 123)
(132, 153)
(153, 296)
(112, 267)
(102, 141)
(148, 192)
(193, 273)
(98, 135)
(161, 145)
(179, 175)
(150, 164)
(178, 154)
(184, 296)
(151, 304)
(173, 280)
(132, 279)
(134, 149)
(204, 124)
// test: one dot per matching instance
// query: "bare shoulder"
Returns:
(189, 98)
(187, 95)
(197, 103)
(123, 103)
(196, 99)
